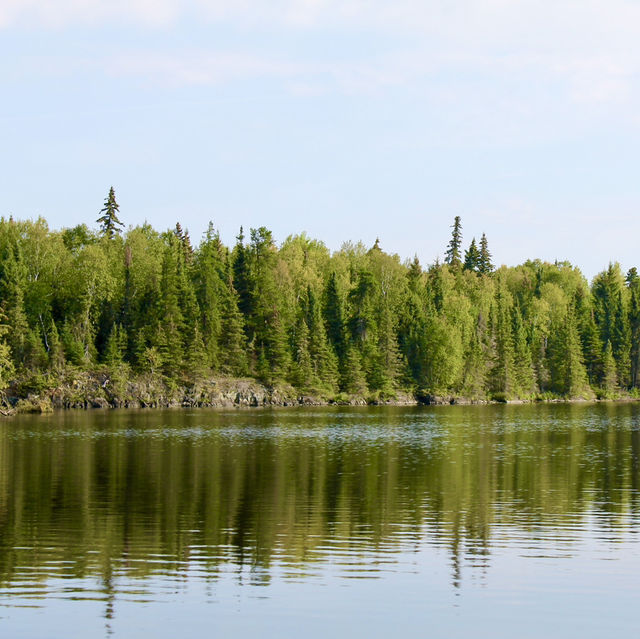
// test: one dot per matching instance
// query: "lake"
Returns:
(454, 521)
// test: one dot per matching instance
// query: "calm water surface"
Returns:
(493, 521)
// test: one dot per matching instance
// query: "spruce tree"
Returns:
(485, 265)
(323, 360)
(633, 282)
(503, 373)
(524, 376)
(242, 281)
(453, 256)
(302, 374)
(472, 257)
(609, 374)
(353, 380)
(568, 373)
(333, 316)
(169, 338)
(232, 341)
(110, 225)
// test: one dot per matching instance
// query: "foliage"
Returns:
(356, 322)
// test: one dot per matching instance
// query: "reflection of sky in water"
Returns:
(462, 521)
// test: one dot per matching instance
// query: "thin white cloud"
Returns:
(577, 52)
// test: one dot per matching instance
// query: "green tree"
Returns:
(472, 257)
(6, 364)
(453, 255)
(110, 225)
(609, 374)
(485, 265)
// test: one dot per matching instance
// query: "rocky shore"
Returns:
(80, 389)
(103, 390)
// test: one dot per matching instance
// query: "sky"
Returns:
(347, 120)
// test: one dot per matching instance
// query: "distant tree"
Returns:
(242, 283)
(471, 257)
(453, 256)
(484, 260)
(110, 225)
(6, 365)
(609, 374)
(334, 318)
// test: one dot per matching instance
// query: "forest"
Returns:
(357, 322)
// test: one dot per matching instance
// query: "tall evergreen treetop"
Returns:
(110, 225)
(452, 256)
(484, 261)
(471, 257)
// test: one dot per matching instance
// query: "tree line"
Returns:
(356, 322)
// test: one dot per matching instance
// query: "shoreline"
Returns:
(101, 390)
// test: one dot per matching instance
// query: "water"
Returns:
(483, 521)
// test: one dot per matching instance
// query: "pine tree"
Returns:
(622, 338)
(333, 316)
(56, 349)
(472, 257)
(452, 256)
(110, 225)
(169, 337)
(633, 282)
(609, 374)
(592, 349)
(232, 342)
(524, 376)
(503, 373)
(323, 360)
(414, 274)
(386, 359)
(212, 279)
(242, 281)
(484, 261)
(568, 373)
(116, 346)
(353, 380)
(302, 374)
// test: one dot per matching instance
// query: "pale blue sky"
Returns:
(347, 120)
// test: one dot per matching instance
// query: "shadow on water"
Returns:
(119, 497)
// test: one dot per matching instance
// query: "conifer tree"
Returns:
(592, 349)
(633, 283)
(333, 316)
(302, 374)
(414, 274)
(170, 332)
(503, 373)
(6, 364)
(116, 346)
(484, 261)
(56, 350)
(622, 338)
(568, 374)
(472, 257)
(242, 283)
(609, 374)
(386, 364)
(13, 288)
(453, 255)
(323, 360)
(232, 342)
(267, 316)
(212, 280)
(353, 379)
(110, 225)
(524, 376)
